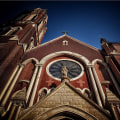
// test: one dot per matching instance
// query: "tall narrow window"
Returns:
(65, 42)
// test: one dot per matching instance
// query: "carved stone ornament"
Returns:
(19, 97)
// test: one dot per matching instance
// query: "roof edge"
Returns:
(76, 40)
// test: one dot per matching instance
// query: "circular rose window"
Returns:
(74, 68)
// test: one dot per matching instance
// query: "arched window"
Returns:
(42, 93)
(87, 93)
(65, 42)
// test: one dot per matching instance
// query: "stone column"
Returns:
(31, 83)
(114, 81)
(18, 111)
(114, 113)
(5, 111)
(12, 112)
(9, 82)
(94, 86)
(118, 108)
(35, 86)
(11, 86)
(99, 85)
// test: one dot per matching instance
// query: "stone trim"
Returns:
(65, 108)
(55, 54)
(39, 93)
(110, 74)
(114, 52)
(9, 82)
(12, 85)
(12, 112)
(100, 89)
(95, 89)
(31, 82)
(79, 42)
(35, 86)
(5, 111)
(26, 81)
(19, 95)
(26, 112)
(29, 60)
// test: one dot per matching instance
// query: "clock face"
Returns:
(74, 69)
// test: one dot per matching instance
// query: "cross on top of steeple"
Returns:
(65, 32)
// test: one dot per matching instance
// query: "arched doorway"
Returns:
(65, 112)
(66, 116)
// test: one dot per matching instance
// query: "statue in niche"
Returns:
(64, 71)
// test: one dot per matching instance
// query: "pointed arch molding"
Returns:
(65, 108)
(100, 61)
(55, 54)
(46, 58)
(109, 72)
(29, 60)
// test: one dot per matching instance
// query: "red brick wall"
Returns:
(26, 74)
(6, 50)
(102, 73)
(56, 46)
(117, 47)
(9, 65)
(81, 82)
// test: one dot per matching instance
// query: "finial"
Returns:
(65, 32)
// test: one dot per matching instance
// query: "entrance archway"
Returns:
(66, 116)
(65, 112)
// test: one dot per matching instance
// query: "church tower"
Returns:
(62, 79)
(16, 38)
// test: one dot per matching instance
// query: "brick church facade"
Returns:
(62, 79)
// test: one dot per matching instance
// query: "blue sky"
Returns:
(85, 21)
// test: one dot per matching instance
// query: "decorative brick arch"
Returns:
(58, 111)
(78, 56)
